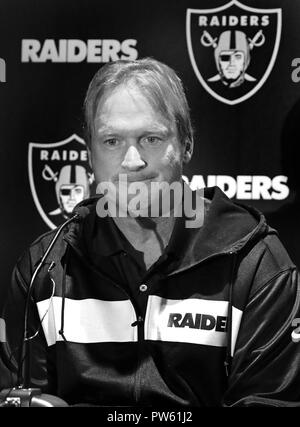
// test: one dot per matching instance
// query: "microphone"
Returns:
(80, 212)
(19, 397)
(23, 395)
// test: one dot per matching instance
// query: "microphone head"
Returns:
(81, 212)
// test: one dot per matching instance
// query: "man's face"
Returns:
(132, 139)
(70, 195)
(232, 63)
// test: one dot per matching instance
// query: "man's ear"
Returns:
(188, 150)
(88, 149)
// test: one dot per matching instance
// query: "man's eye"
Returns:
(152, 140)
(112, 142)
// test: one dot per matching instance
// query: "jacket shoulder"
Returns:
(33, 253)
(264, 262)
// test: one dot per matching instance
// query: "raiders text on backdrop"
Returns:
(78, 50)
(65, 155)
(233, 21)
(245, 187)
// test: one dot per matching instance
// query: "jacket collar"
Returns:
(227, 227)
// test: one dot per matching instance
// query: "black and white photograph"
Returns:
(150, 215)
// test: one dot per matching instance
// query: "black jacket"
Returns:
(232, 292)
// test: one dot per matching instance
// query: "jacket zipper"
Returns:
(228, 357)
(137, 377)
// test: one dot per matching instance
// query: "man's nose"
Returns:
(132, 160)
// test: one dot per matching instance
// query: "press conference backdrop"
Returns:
(239, 64)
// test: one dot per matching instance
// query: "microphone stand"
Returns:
(23, 395)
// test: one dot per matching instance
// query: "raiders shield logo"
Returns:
(233, 48)
(60, 177)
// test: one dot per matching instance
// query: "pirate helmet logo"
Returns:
(233, 38)
(71, 187)
(232, 55)
(60, 177)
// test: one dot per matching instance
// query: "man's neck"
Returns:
(142, 232)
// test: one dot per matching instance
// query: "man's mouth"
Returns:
(136, 178)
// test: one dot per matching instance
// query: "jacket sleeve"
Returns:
(266, 363)
(12, 322)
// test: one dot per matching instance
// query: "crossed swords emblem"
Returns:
(208, 41)
(49, 175)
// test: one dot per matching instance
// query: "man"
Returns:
(143, 310)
